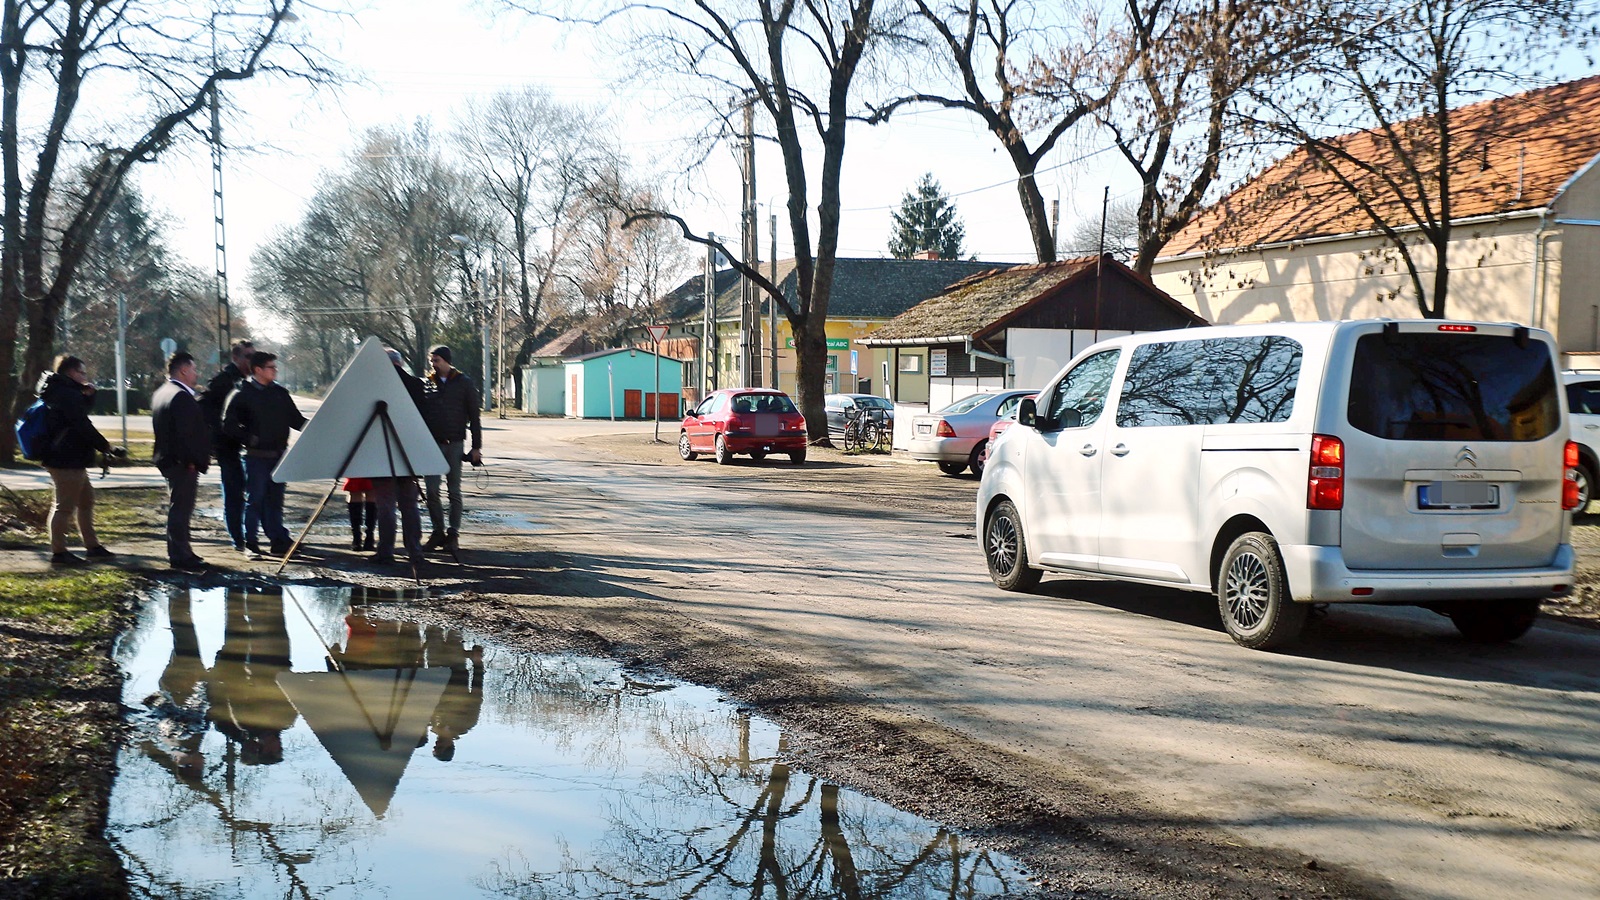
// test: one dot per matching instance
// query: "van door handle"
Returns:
(1088, 450)
(1119, 450)
(1591, 427)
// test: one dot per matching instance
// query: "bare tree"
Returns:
(1375, 113)
(1118, 235)
(1194, 62)
(67, 49)
(533, 157)
(987, 46)
(797, 63)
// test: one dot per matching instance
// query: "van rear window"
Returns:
(1453, 387)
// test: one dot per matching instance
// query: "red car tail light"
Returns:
(1569, 484)
(1325, 480)
(945, 430)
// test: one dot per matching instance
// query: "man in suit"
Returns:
(182, 453)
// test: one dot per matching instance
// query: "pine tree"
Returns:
(927, 221)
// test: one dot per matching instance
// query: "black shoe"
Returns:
(192, 564)
(451, 542)
(99, 552)
(252, 551)
(279, 549)
(370, 544)
(355, 543)
(383, 559)
(435, 541)
(65, 560)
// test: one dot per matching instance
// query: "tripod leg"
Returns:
(307, 530)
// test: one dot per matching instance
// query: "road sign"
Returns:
(168, 346)
(658, 333)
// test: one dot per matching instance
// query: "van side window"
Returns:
(1085, 387)
(1210, 382)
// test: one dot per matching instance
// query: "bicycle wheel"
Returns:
(852, 437)
(882, 437)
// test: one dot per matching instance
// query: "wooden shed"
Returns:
(622, 384)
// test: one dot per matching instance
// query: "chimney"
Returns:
(925, 254)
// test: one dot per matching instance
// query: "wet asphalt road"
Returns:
(1383, 743)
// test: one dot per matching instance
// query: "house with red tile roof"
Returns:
(1295, 244)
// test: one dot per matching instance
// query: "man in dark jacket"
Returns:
(387, 492)
(451, 409)
(70, 446)
(182, 453)
(259, 415)
(230, 467)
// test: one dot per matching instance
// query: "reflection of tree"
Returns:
(760, 830)
(1209, 382)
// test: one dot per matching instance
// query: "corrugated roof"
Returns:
(975, 302)
(863, 288)
(1513, 154)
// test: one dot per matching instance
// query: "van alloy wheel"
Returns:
(1253, 595)
(1006, 550)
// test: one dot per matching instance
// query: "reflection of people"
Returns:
(69, 451)
(182, 453)
(373, 643)
(246, 703)
(180, 705)
(451, 411)
(229, 464)
(388, 493)
(462, 701)
(260, 415)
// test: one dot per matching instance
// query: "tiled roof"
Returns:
(1513, 154)
(569, 343)
(974, 303)
(862, 288)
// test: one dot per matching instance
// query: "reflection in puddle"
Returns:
(290, 744)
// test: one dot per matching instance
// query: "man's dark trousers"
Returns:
(386, 492)
(183, 482)
(263, 504)
(231, 468)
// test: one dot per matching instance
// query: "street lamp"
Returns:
(464, 243)
(224, 314)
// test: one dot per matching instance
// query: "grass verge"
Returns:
(60, 716)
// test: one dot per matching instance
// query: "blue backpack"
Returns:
(33, 431)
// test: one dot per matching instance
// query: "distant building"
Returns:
(622, 384)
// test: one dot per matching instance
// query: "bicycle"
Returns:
(869, 432)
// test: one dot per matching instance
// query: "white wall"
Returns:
(944, 391)
(1039, 353)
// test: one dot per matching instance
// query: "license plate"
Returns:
(1458, 495)
(924, 429)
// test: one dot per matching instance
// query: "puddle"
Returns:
(292, 743)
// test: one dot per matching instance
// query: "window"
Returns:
(1583, 398)
(911, 363)
(965, 404)
(1210, 382)
(1008, 407)
(1424, 386)
(1084, 388)
(874, 403)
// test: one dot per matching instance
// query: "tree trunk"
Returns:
(1033, 208)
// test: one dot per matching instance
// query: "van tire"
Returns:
(1005, 549)
(1494, 621)
(1253, 595)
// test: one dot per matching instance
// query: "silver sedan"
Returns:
(954, 437)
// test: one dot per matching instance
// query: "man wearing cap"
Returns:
(402, 491)
(451, 409)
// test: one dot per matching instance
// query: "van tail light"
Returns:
(945, 430)
(1325, 481)
(1569, 484)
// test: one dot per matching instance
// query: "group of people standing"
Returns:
(242, 420)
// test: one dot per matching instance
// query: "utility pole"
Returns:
(708, 352)
(772, 304)
(749, 316)
(224, 316)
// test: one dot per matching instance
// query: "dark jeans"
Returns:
(231, 468)
(386, 493)
(263, 500)
(183, 482)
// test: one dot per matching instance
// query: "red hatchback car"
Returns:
(756, 421)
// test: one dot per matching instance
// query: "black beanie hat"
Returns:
(440, 351)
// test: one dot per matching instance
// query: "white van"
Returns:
(1378, 461)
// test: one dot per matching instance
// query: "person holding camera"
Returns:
(450, 408)
(70, 446)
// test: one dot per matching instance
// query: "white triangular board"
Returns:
(369, 720)
(327, 438)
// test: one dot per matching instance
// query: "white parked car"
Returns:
(1583, 404)
(1415, 462)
